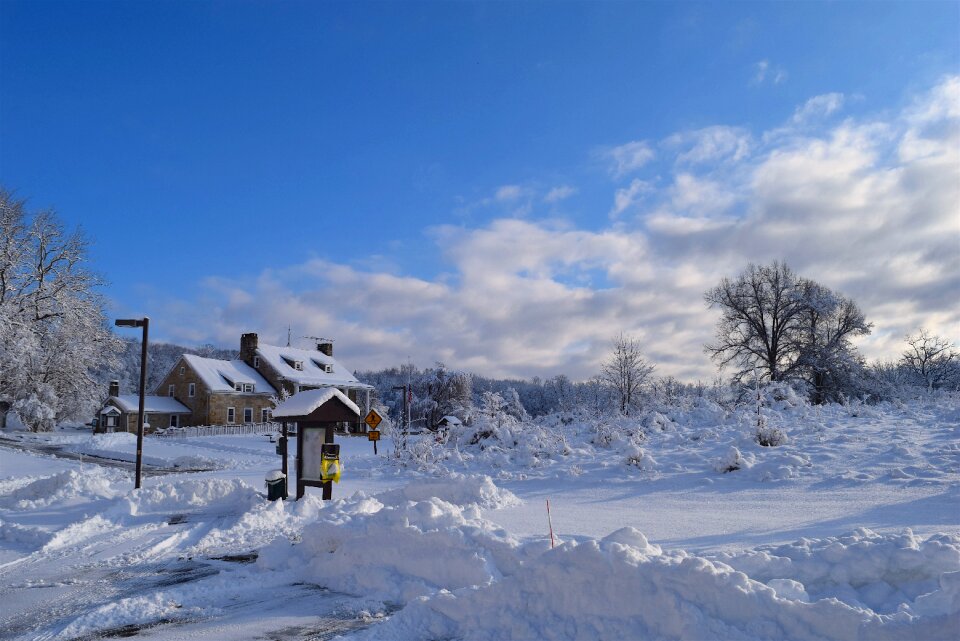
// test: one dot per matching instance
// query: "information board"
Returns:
(312, 453)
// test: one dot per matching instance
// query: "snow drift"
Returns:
(456, 575)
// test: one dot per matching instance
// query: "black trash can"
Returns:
(276, 485)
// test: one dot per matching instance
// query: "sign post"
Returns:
(373, 420)
(317, 413)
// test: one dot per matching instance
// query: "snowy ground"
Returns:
(849, 529)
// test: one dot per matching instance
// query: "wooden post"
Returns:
(328, 438)
(301, 488)
(283, 461)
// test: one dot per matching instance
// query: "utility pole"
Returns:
(145, 324)
(404, 417)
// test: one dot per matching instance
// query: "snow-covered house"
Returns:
(294, 370)
(210, 391)
(119, 412)
(218, 392)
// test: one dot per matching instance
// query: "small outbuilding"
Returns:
(318, 414)
(119, 413)
(447, 422)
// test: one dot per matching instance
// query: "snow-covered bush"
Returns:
(731, 461)
(38, 409)
(769, 436)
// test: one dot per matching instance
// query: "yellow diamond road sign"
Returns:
(373, 419)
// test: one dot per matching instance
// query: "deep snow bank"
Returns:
(621, 587)
(461, 577)
(92, 483)
(395, 549)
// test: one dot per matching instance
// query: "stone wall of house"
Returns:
(220, 402)
(198, 404)
(155, 421)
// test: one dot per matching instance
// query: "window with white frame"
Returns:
(231, 416)
(248, 415)
(256, 361)
(248, 387)
(182, 370)
(265, 415)
(170, 390)
(192, 390)
(298, 365)
(238, 387)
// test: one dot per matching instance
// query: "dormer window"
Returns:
(248, 387)
(323, 367)
(238, 387)
(295, 364)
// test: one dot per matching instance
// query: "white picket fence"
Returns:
(218, 430)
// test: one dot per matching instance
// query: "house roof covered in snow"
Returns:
(151, 404)
(223, 376)
(308, 367)
(305, 403)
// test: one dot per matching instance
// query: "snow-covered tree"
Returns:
(626, 371)
(53, 331)
(788, 327)
(759, 323)
(933, 360)
(826, 359)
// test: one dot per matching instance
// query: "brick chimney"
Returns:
(248, 347)
(114, 388)
(325, 346)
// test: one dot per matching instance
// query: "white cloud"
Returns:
(818, 107)
(627, 197)
(855, 206)
(628, 157)
(710, 144)
(764, 71)
(559, 193)
(508, 193)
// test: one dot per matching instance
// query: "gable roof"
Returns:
(304, 403)
(313, 374)
(151, 404)
(220, 376)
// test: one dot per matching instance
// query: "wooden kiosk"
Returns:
(317, 414)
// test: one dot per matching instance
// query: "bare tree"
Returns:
(787, 327)
(760, 322)
(930, 358)
(626, 371)
(826, 358)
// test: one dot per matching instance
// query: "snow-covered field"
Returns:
(673, 525)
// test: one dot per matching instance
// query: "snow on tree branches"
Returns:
(52, 326)
(788, 327)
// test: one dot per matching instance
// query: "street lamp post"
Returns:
(145, 324)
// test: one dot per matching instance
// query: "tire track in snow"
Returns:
(117, 564)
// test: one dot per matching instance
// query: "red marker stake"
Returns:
(550, 521)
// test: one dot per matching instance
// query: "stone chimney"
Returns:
(325, 346)
(114, 388)
(248, 347)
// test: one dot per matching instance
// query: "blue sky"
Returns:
(501, 186)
